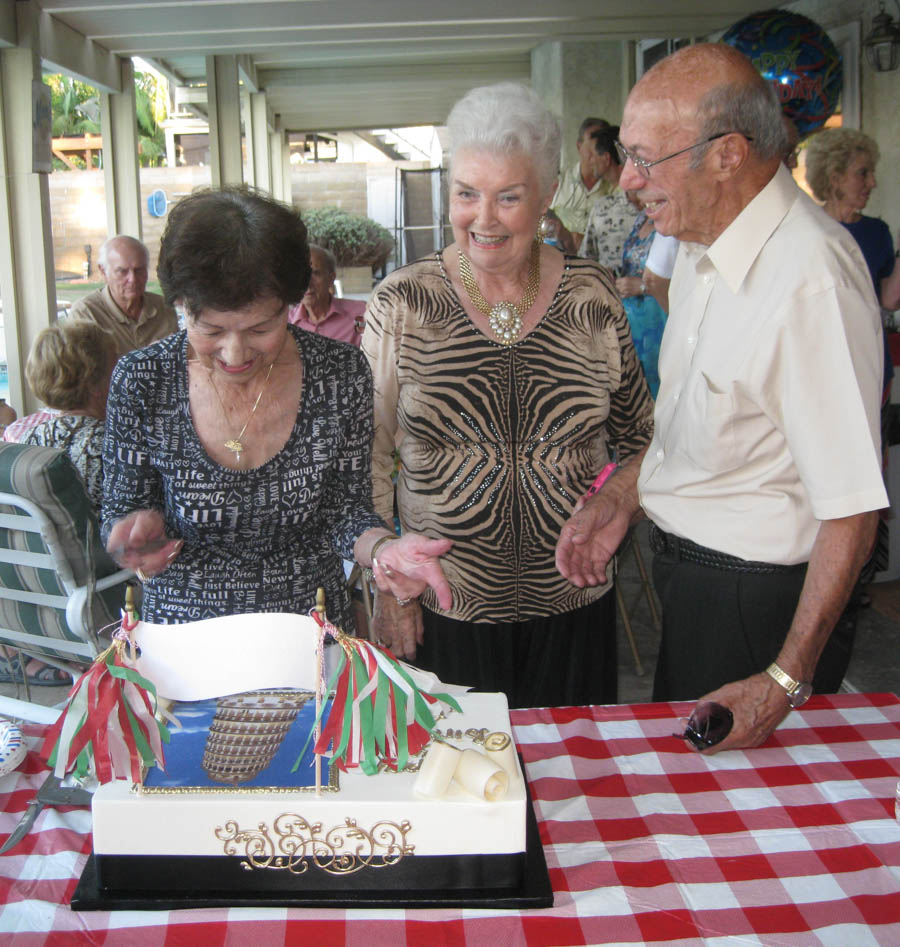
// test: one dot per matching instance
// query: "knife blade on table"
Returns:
(51, 793)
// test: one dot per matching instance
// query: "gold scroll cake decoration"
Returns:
(341, 850)
(496, 740)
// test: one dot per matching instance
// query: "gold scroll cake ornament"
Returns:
(341, 850)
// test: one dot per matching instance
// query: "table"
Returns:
(794, 842)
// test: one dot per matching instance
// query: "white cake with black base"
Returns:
(237, 818)
(367, 835)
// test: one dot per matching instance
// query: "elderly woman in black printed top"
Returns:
(238, 450)
(69, 369)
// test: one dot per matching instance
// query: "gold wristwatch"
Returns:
(798, 692)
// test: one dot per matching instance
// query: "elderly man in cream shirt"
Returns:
(763, 477)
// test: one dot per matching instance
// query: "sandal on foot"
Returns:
(45, 676)
(49, 676)
(10, 671)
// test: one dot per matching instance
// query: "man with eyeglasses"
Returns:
(763, 476)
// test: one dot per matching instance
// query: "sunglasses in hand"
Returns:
(708, 725)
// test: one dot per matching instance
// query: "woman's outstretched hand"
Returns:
(406, 566)
(139, 542)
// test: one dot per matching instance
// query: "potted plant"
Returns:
(357, 242)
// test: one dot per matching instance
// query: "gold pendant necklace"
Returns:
(504, 317)
(234, 444)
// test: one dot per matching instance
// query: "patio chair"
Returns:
(58, 586)
(645, 592)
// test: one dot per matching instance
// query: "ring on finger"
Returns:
(141, 575)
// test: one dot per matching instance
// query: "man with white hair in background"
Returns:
(133, 316)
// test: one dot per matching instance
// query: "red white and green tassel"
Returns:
(378, 714)
(109, 723)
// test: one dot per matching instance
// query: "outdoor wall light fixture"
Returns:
(882, 45)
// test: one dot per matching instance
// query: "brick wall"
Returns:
(330, 185)
(78, 211)
(78, 204)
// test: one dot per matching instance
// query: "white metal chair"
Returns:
(58, 586)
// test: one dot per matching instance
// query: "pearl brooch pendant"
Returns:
(505, 322)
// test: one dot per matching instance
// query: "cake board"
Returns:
(535, 891)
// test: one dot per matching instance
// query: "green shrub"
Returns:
(353, 239)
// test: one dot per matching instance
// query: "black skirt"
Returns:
(554, 661)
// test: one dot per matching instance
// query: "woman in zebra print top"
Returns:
(502, 426)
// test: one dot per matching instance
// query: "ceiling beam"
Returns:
(64, 50)
(378, 97)
(476, 73)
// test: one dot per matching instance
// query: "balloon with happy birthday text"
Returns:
(800, 60)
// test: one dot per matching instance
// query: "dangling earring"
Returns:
(546, 229)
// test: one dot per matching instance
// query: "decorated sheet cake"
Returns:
(349, 777)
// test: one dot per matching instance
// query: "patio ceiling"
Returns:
(331, 64)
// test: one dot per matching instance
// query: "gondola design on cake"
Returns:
(247, 731)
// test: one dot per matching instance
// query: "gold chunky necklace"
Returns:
(504, 317)
(234, 444)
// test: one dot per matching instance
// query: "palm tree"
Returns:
(76, 107)
(151, 108)
(76, 112)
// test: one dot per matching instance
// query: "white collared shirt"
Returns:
(767, 419)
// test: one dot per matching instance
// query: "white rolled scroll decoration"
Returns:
(436, 771)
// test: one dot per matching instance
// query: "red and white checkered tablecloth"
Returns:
(646, 841)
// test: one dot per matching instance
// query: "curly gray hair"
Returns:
(830, 152)
(507, 118)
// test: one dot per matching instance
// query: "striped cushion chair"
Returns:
(58, 587)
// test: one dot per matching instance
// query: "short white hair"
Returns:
(103, 255)
(508, 118)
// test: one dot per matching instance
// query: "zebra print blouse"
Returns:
(497, 443)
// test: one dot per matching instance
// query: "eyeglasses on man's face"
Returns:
(643, 166)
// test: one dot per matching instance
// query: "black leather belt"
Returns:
(684, 549)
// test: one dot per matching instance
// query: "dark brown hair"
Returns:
(226, 248)
(605, 142)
